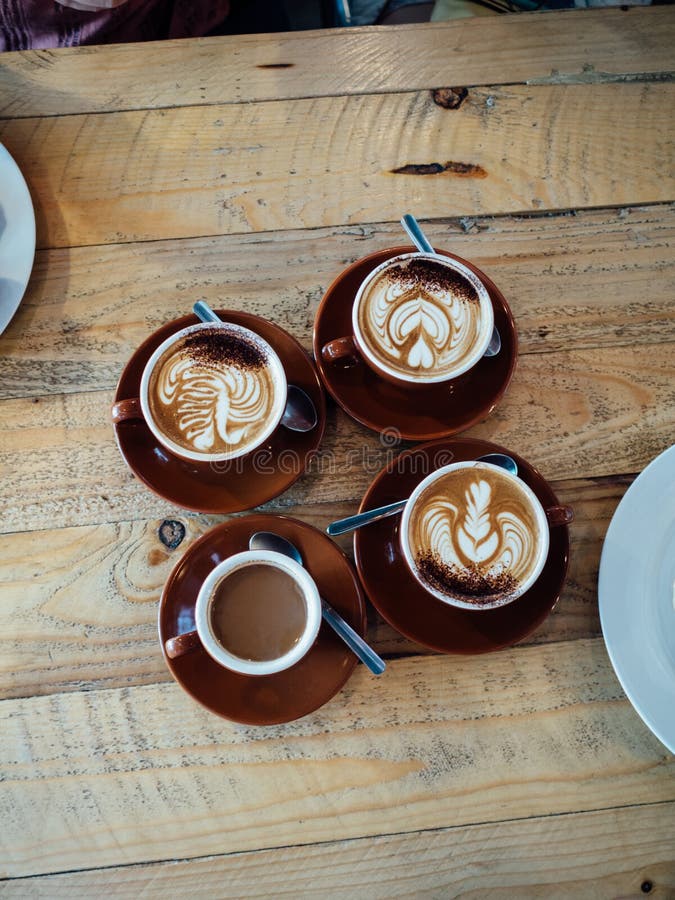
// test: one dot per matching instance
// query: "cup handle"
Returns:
(182, 644)
(341, 350)
(559, 515)
(126, 409)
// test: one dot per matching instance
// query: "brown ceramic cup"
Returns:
(351, 349)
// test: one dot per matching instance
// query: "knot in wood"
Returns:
(171, 533)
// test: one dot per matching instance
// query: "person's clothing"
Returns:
(41, 24)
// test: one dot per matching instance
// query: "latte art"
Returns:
(212, 410)
(475, 535)
(422, 318)
(214, 392)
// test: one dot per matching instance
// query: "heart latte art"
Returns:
(213, 392)
(474, 535)
(421, 318)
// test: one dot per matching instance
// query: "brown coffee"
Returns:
(214, 391)
(474, 535)
(422, 319)
(258, 612)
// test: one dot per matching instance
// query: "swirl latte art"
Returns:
(422, 319)
(213, 392)
(474, 535)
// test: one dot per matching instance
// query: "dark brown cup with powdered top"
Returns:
(476, 536)
(209, 393)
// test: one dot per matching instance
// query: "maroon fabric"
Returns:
(33, 24)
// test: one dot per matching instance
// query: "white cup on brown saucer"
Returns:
(418, 319)
(257, 613)
(210, 393)
(475, 536)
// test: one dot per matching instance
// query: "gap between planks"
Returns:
(268, 235)
(243, 68)
(554, 80)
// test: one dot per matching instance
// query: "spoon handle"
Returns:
(204, 312)
(415, 233)
(351, 523)
(418, 237)
(353, 640)
(290, 419)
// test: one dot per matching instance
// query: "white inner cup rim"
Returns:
(487, 317)
(278, 374)
(233, 564)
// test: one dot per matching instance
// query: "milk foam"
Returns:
(212, 407)
(474, 534)
(421, 319)
(215, 392)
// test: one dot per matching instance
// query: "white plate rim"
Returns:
(25, 266)
(644, 705)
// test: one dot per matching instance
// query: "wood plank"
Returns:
(242, 68)
(82, 613)
(144, 774)
(167, 173)
(609, 853)
(572, 413)
(594, 278)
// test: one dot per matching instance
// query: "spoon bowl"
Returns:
(268, 540)
(300, 413)
(503, 460)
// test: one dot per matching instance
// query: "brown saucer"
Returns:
(406, 605)
(240, 483)
(287, 695)
(425, 413)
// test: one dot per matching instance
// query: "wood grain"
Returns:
(191, 171)
(596, 45)
(521, 773)
(82, 613)
(140, 774)
(584, 413)
(608, 853)
(595, 278)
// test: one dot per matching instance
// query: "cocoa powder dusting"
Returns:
(214, 347)
(433, 277)
(468, 584)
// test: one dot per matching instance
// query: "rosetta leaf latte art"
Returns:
(478, 533)
(477, 536)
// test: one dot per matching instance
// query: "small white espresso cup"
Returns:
(204, 636)
(542, 519)
(139, 408)
(350, 349)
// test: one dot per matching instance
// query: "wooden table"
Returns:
(250, 171)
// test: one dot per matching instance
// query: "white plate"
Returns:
(637, 606)
(17, 237)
